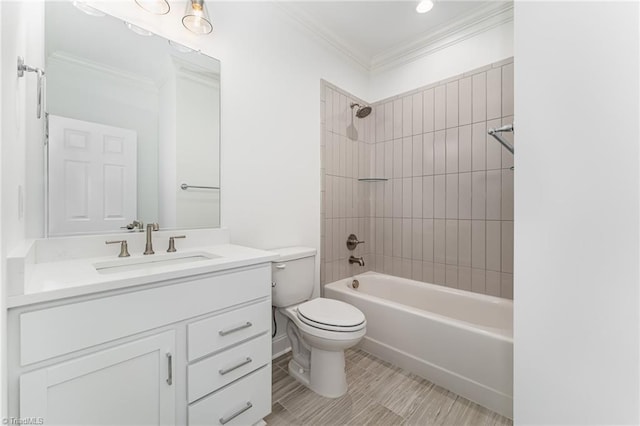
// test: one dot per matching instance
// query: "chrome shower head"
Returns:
(362, 111)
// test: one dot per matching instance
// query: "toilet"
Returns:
(319, 330)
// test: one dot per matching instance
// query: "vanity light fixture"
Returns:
(196, 19)
(157, 7)
(138, 30)
(424, 6)
(91, 11)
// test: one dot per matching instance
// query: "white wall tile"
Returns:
(427, 154)
(397, 158)
(380, 158)
(379, 199)
(407, 116)
(464, 196)
(388, 198)
(464, 149)
(427, 272)
(507, 90)
(478, 280)
(336, 113)
(439, 274)
(464, 278)
(507, 195)
(478, 244)
(388, 265)
(451, 252)
(416, 155)
(328, 205)
(328, 231)
(397, 237)
(388, 237)
(506, 286)
(328, 110)
(507, 157)
(493, 245)
(428, 239)
(388, 121)
(407, 233)
(379, 225)
(452, 104)
(464, 243)
(342, 116)
(427, 197)
(494, 148)
(464, 101)
(494, 193)
(406, 269)
(451, 141)
(452, 196)
(451, 279)
(479, 146)
(494, 93)
(439, 241)
(428, 111)
(416, 121)
(380, 122)
(440, 111)
(416, 239)
(440, 196)
(507, 246)
(416, 270)
(492, 285)
(407, 157)
(397, 119)
(397, 197)
(478, 196)
(407, 194)
(479, 97)
(440, 152)
(388, 159)
(416, 198)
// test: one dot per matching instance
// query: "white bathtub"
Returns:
(460, 340)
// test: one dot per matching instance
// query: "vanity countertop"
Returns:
(62, 279)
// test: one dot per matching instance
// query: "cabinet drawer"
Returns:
(243, 403)
(213, 334)
(212, 373)
(51, 332)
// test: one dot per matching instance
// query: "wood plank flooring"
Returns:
(379, 394)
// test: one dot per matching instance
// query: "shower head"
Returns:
(362, 111)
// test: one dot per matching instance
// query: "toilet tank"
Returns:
(293, 275)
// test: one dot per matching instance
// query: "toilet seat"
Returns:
(331, 315)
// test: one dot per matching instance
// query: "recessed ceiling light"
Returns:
(138, 30)
(87, 9)
(424, 6)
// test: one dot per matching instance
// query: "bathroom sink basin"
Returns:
(153, 261)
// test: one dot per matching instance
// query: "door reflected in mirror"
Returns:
(134, 127)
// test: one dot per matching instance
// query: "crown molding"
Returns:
(474, 23)
(328, 37)
(469, 25)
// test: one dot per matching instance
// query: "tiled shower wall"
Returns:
(445, 214)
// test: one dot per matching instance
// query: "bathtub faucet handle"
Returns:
(352, 242)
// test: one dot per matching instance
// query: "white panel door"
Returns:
(92, 176)
(125, 385)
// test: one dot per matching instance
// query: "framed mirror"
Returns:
(133, 127)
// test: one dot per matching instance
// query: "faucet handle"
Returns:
(352, 242)
(124, 248)
(172, 243)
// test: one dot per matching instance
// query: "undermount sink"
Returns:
(153, 261)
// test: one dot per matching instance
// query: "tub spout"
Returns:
(358, 260)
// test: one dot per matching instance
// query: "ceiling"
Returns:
(370, 31)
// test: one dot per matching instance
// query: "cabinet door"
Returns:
(129, 384)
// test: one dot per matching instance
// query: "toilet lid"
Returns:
(337, 315)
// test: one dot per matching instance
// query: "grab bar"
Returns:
(496, 134)
(184, 187)
(22, 67)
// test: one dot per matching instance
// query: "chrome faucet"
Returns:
(358, 260)
(149, 247)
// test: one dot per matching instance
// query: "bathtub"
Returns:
(459, 340)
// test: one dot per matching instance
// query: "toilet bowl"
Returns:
(318, 344)
(319, 330)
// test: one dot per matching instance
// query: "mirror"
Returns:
(134, 127)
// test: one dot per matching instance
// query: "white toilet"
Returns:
(319, 330)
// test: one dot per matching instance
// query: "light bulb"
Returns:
(424, 6)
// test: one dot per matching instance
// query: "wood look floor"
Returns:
(379, 394)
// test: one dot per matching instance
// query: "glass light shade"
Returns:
(196, 19)
(424, 6)
(157, 7)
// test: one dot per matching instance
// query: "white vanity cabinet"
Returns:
(194, 350)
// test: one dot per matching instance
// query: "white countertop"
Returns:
(61, 279)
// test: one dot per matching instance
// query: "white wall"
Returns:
(576, 207)
(485, 48)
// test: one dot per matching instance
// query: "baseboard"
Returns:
(279, 346)
(472, 390)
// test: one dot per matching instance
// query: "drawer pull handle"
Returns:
(234, 329)
(225, 420)
(170, 366)
(224, 371)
